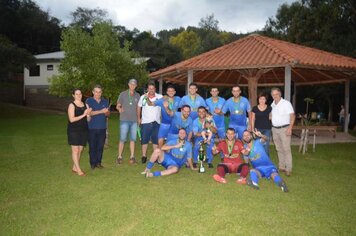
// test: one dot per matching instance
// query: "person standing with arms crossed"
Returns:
(127, 106)
(282, 124)
(97, 126)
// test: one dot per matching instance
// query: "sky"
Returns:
(239, 16)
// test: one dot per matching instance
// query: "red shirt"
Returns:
(235, 155)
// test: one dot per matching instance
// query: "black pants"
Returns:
(96, 145)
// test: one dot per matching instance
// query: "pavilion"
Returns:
(257, 60)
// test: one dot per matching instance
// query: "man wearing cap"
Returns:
(150, 120)
(282, 124)
(127, 107)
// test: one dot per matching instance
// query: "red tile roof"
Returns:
(224, 64)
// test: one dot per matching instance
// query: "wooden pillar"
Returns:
(252, 90)
(347, 106)
(295, 97)
(287, 82)
(160, 85)
(190, 80)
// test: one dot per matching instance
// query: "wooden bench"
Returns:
(315, 129)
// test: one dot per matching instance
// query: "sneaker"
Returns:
(145, 172)
(143, 159)
(283, 186)
(252, 184)
(132, 160)
(241, 181)
(281, 170)
(92, 167)
(219, 179)
(99, 166)
(149, 174)
(195, 165)
(210, 165)
(119, 160)
(288, 173)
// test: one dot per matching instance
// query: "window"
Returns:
(49, 67)
(35, 70)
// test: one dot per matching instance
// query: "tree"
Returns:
(86, 18)
(209, 23)
(189, 42)
(95, 58)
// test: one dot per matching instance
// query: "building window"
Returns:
(49, 67)
(35, 70)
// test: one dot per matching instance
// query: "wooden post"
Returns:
(252, 90)
(295, 97)
(160, 90)
(347, 106)
(190, 80)
(287, 82)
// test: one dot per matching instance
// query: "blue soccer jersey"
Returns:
(179, 155)
(218, 119)
(198, 128)
(238, 111)
(167, 119)
(260, 159)
(193, 103)
(178, 122)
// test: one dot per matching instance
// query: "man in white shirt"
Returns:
(149, 119)
(282, 124)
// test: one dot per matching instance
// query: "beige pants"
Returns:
(282, 143)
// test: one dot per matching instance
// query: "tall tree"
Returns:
(95, 58)
(86, 17)
(189, 42)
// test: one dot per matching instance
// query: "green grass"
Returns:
(40, 196)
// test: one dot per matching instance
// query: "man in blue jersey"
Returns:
(199, 125)
(97, 126)
(193, 100)
(239, 107)
(215, 104)
(172, 156)
(169, 105)
(262, 166)
(181, 120)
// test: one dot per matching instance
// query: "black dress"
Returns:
(78, 131)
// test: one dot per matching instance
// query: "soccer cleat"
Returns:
(219, 179)
(283, 186)
(132, 160)
(241, 181)
(143, 159)
(252, 184)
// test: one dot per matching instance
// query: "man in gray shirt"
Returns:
(127, 106)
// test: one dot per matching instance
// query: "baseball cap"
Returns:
(132, 81)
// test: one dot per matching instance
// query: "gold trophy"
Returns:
(201, 157)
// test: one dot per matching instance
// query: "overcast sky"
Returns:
(239, 16)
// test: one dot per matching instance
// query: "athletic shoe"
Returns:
(252, 184)
(195, 165)
(99, 166)
(219, 179)
(145, 172)
(281, 170)
(119, 160)
(210, 165)
(132, 160)
(283, 186)
(241, 181)
(288, 173)
(149, 174)
(143, 159)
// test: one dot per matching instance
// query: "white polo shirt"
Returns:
(281, 112)
(150, 114)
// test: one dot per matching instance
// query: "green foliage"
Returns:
(86, 18)
(327, 25)
(40, 195)
(95, 58)
(188, 41)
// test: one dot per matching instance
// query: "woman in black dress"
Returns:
(261, 119)
(77, 129)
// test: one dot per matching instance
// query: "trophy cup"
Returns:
(201, 157)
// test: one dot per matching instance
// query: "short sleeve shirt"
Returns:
(219, 119)
(129, 104)
(281, 112)
(97, 121)
(238, 110)
(150, 113)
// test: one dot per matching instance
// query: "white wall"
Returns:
(44, 74)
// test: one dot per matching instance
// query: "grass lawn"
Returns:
(40, 196)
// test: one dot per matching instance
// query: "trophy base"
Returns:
(201, 170)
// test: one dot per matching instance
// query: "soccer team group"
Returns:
(178, 127)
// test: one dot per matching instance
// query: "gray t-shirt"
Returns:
(129, 103)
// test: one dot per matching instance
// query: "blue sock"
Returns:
(149, 165)
(277, 180)
(254, 177)
(157, 173)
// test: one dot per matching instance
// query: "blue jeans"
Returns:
(128, 127)
(96, 145)
(266, 132)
